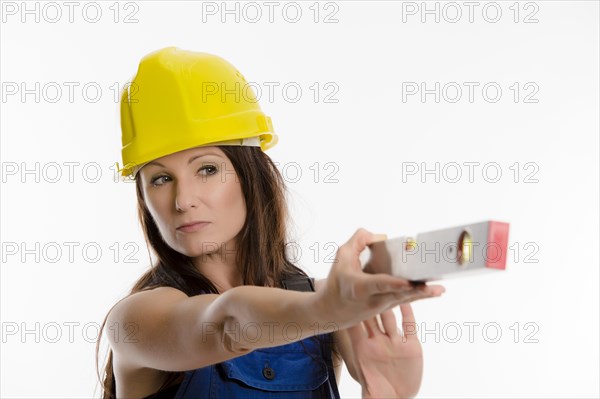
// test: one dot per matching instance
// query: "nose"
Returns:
(185, 197)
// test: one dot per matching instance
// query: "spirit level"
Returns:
(441, 254)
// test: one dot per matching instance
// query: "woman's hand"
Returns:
(349, 295)
(388, 363)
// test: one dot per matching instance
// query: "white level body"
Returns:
(441, 254)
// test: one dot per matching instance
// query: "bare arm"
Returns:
(165, 329)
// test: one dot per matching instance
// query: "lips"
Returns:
(189, 224)
(192, 228)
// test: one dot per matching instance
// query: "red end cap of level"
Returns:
(497, 245)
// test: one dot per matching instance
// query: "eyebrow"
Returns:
(192, 159)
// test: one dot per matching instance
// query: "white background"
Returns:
(370, 135)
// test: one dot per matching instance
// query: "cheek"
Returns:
(157, 209)
(233, 199)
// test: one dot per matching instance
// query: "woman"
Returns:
(223, 312)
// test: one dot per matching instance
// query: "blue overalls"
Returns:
(287, 371)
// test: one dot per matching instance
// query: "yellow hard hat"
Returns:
(182, 99)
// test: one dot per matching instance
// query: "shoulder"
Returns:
(142, 303)
(147, 295)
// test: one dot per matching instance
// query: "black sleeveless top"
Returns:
(167, 393)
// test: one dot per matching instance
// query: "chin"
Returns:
(195, 245)
(199, 248)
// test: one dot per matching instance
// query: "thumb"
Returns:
(361, 238)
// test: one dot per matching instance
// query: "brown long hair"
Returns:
(261, 251)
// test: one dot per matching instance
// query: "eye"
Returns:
(154, 181)
(210, 169)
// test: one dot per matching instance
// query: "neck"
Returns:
(220, 267)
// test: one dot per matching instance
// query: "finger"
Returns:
(377, 238)
(372, 327)
(388, 319)
(407, 313)
(414, 296)
(436, 290)
(361, 238)
(407, 294)
(397, 297)
(409, 326)
(432, 290)
(381, 283)
(356, 332)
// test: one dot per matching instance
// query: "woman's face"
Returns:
(195, 185)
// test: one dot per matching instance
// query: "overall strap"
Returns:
(299, 284)
(308, 284)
